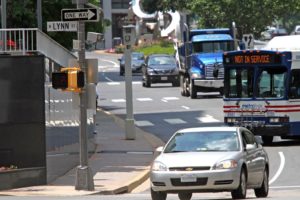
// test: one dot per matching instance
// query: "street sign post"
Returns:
(62, 26)
(83, 14)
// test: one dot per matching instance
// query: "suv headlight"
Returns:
(158, 166)
(226, 164)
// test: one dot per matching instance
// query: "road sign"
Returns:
(62, 26)
(84, 14)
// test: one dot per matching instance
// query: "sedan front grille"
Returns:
(189, 168)
(199, 181)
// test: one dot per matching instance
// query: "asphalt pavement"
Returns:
(118, 165)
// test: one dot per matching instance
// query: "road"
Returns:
(161, 110)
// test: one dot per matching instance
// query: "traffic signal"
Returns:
(69, 79)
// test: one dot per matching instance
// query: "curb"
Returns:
(154, 142)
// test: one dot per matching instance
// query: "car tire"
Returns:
(183, 90)
(121, 73)
(267, 140)
(185, 195)
(263, 191)
(158, 195)
(147, 82)
(192, 90)
(241, 191)
(176, 84)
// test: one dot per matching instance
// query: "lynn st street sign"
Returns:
(83, 14)
(62, 26)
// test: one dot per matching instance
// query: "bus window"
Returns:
(240, 83)
(295, 84)
(271, 83)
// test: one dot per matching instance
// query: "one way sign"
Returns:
(84, 14)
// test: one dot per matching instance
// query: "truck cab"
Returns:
(200, 60)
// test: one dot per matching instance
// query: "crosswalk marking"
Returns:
(185, 107)
(136, 82)
(143, 123)
(144, 99)
(170, 98)
(113, 83)
(175, 121)
(207, 119)
(118, 100)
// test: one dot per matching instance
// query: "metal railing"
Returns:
(25, 41)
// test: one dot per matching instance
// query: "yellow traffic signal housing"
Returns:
(69, 79)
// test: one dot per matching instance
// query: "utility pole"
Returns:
(39, 14)
(3, 13)
(84, 178)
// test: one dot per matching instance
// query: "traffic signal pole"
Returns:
(84, 178)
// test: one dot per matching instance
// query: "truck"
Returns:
(199, 56)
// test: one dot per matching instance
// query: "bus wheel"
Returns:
(267, 140)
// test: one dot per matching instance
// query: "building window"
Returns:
(120, 4)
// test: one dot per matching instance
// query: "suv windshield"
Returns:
(203, 141)
(209, 47)
(162, 60)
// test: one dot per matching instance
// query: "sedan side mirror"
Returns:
(258, 139)
(250, 146)
(159, 149)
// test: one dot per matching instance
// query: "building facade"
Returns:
(114, 11)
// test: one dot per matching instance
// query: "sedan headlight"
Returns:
(158, 166)
(226, 164)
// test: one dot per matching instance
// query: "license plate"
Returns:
(188, 178)
(164, 78)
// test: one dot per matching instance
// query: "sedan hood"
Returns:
(184, 159)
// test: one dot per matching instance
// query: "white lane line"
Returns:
(144, 99)
(114, 63)
(282, 163)
(163, 100)
(185, 107)
(282, 187)
(118, 100)
(108, 79)
(207, 119)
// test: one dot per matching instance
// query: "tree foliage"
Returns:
(250, 16)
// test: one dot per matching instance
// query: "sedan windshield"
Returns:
(162, 60)
(203, 141)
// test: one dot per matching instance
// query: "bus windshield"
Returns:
(209, 47)
(240, 83)
(271, 82)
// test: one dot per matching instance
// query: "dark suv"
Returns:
(160, 68)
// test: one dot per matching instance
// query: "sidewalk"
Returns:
(118, 165)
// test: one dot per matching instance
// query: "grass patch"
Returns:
(157, 48)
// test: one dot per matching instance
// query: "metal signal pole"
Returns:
(84, 179)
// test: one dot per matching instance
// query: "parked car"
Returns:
(137, 60)
(271, 32)
(211, 159)
(297, 30)
(160, 68)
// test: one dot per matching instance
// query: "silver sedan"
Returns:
(210, 159)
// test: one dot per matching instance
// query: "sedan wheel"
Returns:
(158, 195)
(264, 189)
(185, 195)
(241, 191)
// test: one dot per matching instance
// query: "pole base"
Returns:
(130, 129)
(84, 179)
